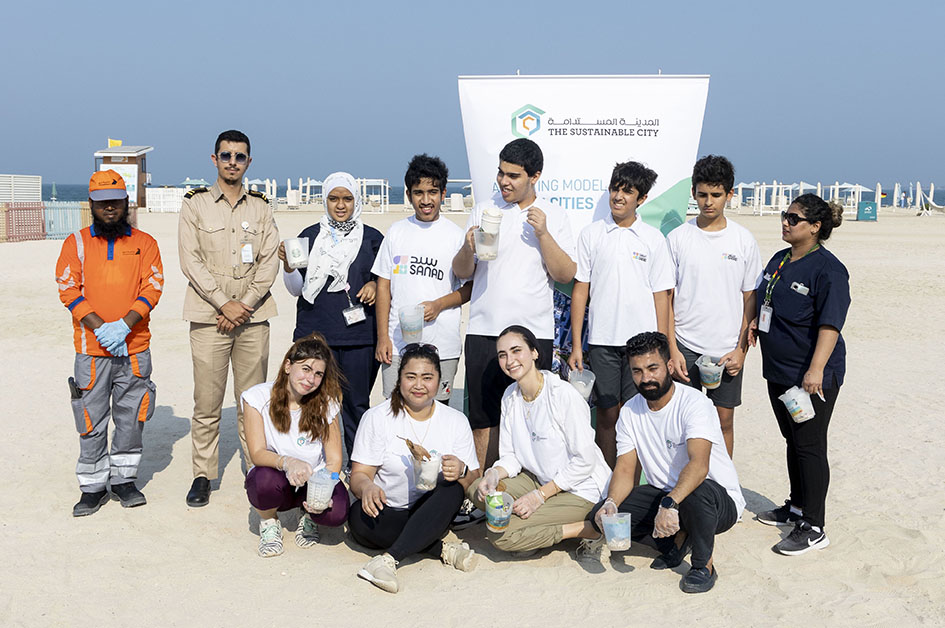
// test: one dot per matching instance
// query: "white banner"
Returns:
(584, 126)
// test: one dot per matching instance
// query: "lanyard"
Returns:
(777, 273)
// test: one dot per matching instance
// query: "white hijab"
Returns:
(333, 250)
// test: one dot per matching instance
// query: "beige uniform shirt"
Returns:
(227, 253)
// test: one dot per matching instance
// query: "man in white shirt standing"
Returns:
(718, 267)
(693, 492)
(623, 264)
(413, 267)
(535, 249)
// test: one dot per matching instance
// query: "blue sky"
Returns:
(800, 90)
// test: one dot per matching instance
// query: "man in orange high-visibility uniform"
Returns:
(110, 278)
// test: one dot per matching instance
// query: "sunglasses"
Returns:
(225, 156)
(793, 219)
(421, 348)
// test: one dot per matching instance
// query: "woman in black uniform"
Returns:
(803, 302)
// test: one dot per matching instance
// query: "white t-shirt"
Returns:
(713, 270)
(515, 288)
(377, 444)
(417, 258)
(660, 439)
(625, 266)
(292, 443)
(552, 438)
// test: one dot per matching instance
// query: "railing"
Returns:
(40, 221)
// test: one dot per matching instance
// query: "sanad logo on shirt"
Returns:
(639, 256)
(729, 256)
(417, 265)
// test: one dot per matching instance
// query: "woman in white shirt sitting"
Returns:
(291, 431)
(547, 455)
(391, 512)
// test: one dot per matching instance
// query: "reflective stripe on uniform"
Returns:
(80, 253)
(92, 474)
(143, 409)
(134, 366)
(124, 465)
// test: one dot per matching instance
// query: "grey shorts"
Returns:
(729, 392)
(447, 368)
(613, 383)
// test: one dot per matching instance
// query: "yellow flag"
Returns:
(113, 143)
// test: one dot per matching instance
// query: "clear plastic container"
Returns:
(320, 488)
(617, 531)
(296, 252)
(487, 245)
(798, 404)
(583, 381)
(498, 511)
(411, 324)
(425, 472)
(710, 372)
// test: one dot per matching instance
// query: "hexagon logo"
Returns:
(526, 121)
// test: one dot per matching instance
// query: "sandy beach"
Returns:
(169, 565)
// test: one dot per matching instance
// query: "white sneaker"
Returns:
(381, 571)
(270, 538)
(590, 550)
(306, 535)
(459, 556)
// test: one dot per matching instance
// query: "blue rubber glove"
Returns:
(112, 337)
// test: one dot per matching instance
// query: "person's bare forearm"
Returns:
(560, 266)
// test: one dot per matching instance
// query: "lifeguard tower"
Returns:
(131, 163)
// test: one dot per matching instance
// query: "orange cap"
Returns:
(107, 185)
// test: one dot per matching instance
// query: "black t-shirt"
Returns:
(788, 347)
(325, 314)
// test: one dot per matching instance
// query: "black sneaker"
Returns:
(467, 516)
(128, 494)
(780, 516)
(89, 503)
(699, 580)
(802, 539)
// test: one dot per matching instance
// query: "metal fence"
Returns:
(53, 220)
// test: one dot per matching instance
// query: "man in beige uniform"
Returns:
(227, 241)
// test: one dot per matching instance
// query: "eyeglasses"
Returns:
(225, 156)
(792, 219)
(421, 348)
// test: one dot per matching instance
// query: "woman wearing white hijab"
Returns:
(336, 292)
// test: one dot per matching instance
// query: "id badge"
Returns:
(246, 253)
(354, 314)
(764, 320)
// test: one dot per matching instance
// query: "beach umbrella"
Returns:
(820, 190)
(255, 182)
(897, 192)
(879, 196)
(194, 182)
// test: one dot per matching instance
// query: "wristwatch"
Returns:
(668, 502)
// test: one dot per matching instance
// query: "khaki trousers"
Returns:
(247, 348)
(545, 527)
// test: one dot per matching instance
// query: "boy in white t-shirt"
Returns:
(718, 267)
(624, 266)
(692, 493)
(413, 267)
(536, 249)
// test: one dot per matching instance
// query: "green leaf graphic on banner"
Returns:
(668, 210)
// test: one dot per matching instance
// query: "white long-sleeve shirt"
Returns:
(552, 438)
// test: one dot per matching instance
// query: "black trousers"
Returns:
(360, 370)
(407, 531)
(485, 381)
(808, 469)
(707, 511)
